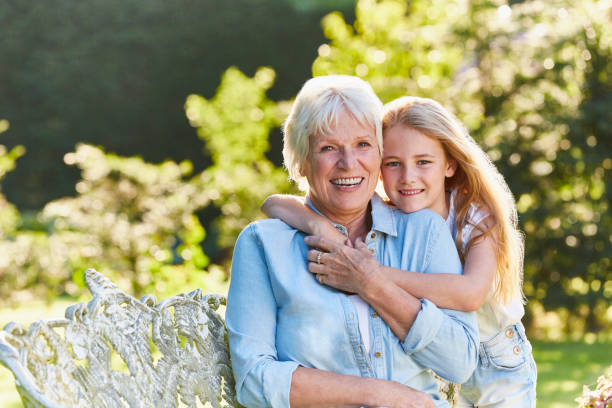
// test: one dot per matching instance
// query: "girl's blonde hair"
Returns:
(477, 181)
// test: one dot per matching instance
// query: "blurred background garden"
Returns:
(139, 138)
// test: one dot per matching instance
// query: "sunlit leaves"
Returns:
(394, 45)
(235, 125)
(130, 219)
(531, 80)
(9, 216)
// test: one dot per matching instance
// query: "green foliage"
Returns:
(235, 125)
(532, 81)
(136, 221)
(131, 219)
(116, 73)
(9, 216)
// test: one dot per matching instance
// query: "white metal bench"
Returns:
(117, 351)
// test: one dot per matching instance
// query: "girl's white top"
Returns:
(493, 316)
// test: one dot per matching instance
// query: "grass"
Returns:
(563, 367)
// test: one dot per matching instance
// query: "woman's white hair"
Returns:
(315, 112)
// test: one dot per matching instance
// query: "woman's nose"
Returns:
(348, 159)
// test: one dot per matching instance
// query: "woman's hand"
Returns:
(401, 396)
(341, 266)
(407, 397)
(317, 388)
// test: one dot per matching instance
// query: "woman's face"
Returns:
(342, 169)
(414, 169)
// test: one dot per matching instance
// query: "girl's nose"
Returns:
(407, 176)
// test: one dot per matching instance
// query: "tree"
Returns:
(532, 81)
(116, 73)
(235, 126)
(9, 216)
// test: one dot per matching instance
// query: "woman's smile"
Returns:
(347, 183)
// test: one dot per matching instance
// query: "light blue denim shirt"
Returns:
(279, 317)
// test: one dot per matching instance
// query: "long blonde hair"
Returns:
(476, 181)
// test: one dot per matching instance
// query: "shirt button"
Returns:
(509, 333)
(375, 315)
(371, 251)
(373, 235)
(517, 350)
(378, 354)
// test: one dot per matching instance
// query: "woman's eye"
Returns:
(364, 144)
(327, 148)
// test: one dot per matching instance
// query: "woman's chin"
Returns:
(349, 203)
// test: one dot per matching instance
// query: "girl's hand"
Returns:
(341, 266)
(327, 230)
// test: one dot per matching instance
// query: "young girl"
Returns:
(430, 161)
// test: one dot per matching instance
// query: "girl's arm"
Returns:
(465, 292)
(444, 340)
(293, 211)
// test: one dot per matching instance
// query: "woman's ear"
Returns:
(303, 169)
(451, 168)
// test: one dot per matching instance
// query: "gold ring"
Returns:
(319, 258)
(320, 279)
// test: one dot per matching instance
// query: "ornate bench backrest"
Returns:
(117, 351)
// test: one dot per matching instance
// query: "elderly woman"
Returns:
(296, 342)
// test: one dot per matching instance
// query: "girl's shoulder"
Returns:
(476, 211)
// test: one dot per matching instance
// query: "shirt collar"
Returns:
(383, 217)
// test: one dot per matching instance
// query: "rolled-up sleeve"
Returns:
(442, 339)
(261, 380)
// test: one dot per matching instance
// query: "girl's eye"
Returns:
(392, 164)
(423, 162)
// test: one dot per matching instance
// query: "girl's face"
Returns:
(414, 169)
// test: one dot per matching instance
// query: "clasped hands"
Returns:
(341, 265)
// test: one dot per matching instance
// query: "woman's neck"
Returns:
(359, 228)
